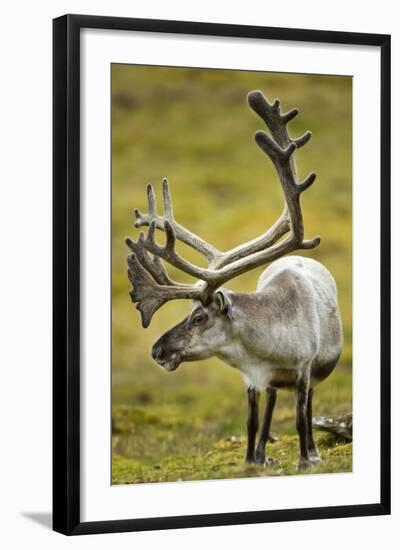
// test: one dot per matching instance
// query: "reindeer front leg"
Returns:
(252, 423)
(265, 435)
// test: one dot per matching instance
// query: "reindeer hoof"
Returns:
(315, 457)
(262, 461)
(304, 463)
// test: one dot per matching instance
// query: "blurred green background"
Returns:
(194, 127)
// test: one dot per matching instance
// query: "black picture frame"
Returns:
(66, 272)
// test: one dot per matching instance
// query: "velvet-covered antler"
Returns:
(152, 285)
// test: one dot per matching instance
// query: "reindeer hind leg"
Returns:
(302, 389)
(312, 448)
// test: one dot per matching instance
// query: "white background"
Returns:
(26, 275)
(100, 501)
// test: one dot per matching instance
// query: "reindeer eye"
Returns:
(199, 318)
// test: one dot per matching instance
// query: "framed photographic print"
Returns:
(221, 274)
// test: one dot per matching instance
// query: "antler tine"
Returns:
(182, 234)
(168, 211)
(152, 264)
(169, 254)
(270, 113)
(149, 295)
(277, 122)
(151, 200)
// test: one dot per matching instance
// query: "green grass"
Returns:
(194, 127)
(193, 426)
(225, 460)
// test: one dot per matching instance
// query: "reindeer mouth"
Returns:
(172, 363)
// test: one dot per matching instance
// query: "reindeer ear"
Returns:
(222, 302)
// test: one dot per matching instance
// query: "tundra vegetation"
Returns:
(194, 126)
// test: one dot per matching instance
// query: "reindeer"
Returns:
(287, 334)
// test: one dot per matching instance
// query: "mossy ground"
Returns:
(225, 461)
(194, 127)
(199, 433)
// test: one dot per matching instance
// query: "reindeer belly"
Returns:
(262, 375)
(283, 378)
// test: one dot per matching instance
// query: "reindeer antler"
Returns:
(152, 285)
(151, 295)
(182, 234)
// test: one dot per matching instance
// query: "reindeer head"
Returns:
(202, 334)
(204, 331)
